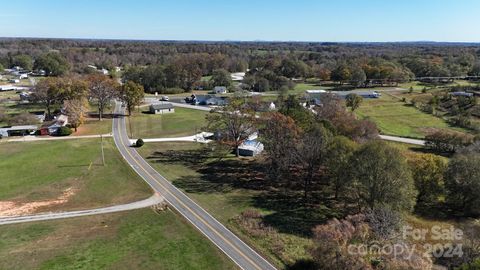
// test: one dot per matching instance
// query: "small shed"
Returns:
(250, 148)
(162, 108)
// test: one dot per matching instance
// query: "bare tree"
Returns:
(311, 155)
(280, 135)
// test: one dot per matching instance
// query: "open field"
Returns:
(140, 239)
(180, 123)
(229, 187)
(43, 171)
(396, 118)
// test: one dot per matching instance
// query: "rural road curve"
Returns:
(244, 256)
(153, 200)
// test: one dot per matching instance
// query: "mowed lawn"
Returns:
(93, 126)
(33, 171)
(397, 118)
(183, 122)
(140, 239)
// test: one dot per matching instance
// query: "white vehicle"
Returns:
(164, 98)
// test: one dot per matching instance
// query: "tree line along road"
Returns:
(244, 256)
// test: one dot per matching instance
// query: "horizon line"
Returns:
(232, 40)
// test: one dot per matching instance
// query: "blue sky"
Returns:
(283, 20)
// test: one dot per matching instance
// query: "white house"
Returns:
(162, 108)
(220, 90)
(61, 121)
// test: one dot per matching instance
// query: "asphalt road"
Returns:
(244, 256)
(50, 138)
(155, 199)
(403, 140)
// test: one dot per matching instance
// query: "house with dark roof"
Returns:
(162, 108)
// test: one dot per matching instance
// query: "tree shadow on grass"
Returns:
(220, 177)
(302, 265)
(190, 158)
(290, 213)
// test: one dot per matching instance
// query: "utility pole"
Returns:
(131, 130)
(103, 154)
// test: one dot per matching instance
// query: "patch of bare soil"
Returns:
(11, 208)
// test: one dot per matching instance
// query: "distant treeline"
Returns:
(181, 64)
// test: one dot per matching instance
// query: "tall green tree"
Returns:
(462, 184)
(303, 117)
(358, 76)
(24, 61)
(53, 63)
(221, 77)
(353, 101)
(340, 150)
(428, 171)
(380, 176)
(132, 94)
(341, 73)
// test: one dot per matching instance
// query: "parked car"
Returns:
(164, 98)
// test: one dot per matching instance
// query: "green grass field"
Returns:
(394, 117)
(140, 239)
(35, 171)
(222, 194)
(182, 122)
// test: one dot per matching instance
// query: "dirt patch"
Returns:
(10, 208)
(82, 129)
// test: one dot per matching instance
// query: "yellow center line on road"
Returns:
(188, 208)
